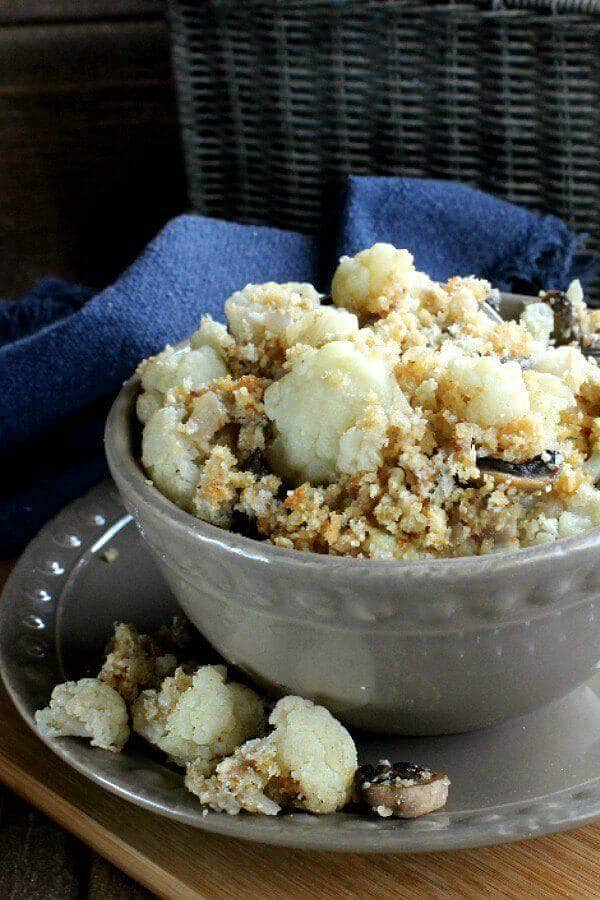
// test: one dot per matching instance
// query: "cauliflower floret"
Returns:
(322, 396)
(538, 319)
(212, 334)
(86, 708)
(169, 456)
(567, 363)
(495, 391)
(369, 282)
(320, 326)
(287, 313)
(174, 370)
(148, 402)
(361, 446)
(308, 762)
(268, 309)
(583, 511)
(135, 661)
(198, 717)
(548, 395)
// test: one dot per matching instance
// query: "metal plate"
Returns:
(530, 776)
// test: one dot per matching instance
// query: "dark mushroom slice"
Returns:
(401, 789)
(533, 475)
(567, 324)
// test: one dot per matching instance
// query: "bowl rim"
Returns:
(117, 440)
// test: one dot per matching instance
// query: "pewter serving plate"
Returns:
(530, 776)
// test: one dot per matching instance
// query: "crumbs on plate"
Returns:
(235, 757)
(396, 418)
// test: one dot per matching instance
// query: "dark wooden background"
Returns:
(90, 159)
(90, 168)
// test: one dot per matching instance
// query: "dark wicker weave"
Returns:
(280, 99)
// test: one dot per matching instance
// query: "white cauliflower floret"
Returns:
(548, 395)
(212, 334)
(495, 391)
(198, 717)
(261, 310)
(361, 446)
(135, 661)
(86, 708)
(320, 326)
(567, 363)
(169, 456)
(538, 319)
(369, 282)
(308, 762)
(321, 397)
(148, 402)
(582, 512)
(174, 370)
(286, 313)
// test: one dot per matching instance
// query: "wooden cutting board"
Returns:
(177, 861)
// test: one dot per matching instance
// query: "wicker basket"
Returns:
(280, 98)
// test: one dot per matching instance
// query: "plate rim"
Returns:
(378, 838)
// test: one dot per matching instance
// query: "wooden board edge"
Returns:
(134, 863)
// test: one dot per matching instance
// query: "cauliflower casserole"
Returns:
(397, 418)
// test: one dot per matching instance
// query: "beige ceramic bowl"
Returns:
(425, 647)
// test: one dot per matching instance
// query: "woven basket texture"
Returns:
(279, 100)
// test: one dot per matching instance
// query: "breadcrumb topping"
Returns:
(135, 661)
(359, 428)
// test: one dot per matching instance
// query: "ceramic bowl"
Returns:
(425, 647)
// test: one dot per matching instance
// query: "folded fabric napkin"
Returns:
(64, 353)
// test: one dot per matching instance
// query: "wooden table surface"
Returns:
(39, 859)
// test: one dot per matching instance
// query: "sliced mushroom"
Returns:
(533, 475)
(567, 324)
(403, 790)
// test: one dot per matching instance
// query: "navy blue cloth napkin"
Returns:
(65, 353)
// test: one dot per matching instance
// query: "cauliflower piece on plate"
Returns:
(307, 762)
(198, 717)
(369, 282)
(323, 395)
(86, 708)
(135, 661)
